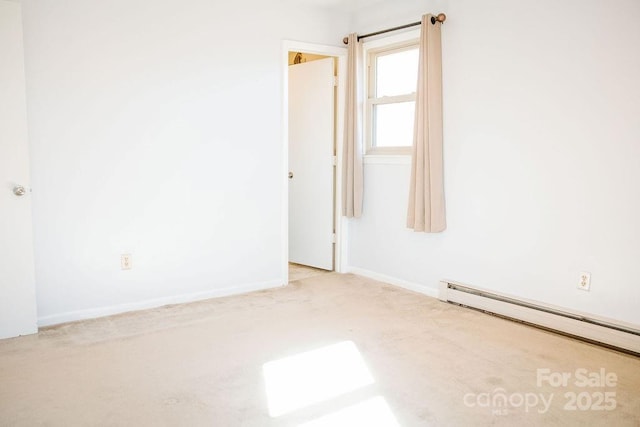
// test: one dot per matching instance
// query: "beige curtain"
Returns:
(426, 198)
(352, 171)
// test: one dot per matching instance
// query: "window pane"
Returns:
(397, 73)
(394, 124)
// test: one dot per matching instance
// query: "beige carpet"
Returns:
(328, 350)
(299, 272)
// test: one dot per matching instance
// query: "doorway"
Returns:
(312, 152)
(312, 227)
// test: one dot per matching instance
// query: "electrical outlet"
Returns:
(585, 281)
(125, 261)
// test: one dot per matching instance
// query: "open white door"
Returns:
(17, 281)
(311, 150)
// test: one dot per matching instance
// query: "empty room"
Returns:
(314, 213)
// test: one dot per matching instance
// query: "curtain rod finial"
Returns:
(345, 40)
(440, 18)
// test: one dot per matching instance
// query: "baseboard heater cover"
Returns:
(599, 330)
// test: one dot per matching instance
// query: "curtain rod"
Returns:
(440, 18)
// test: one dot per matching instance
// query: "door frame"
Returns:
(340, 53)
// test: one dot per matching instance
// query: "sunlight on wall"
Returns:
(371, 413)
(315, 376)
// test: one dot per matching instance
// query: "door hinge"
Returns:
(335, 81)
(334, 160)
(333, 238)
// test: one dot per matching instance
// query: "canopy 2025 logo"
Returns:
(595, 397)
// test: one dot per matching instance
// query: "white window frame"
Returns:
(371, 50)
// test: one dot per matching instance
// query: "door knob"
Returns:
(290, 175)
(19, 190)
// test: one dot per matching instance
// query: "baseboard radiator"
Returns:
(612, 334)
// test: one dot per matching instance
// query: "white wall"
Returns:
(155, 130)
(542, 146)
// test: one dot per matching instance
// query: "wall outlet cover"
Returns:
(585, 281)
(125, 262)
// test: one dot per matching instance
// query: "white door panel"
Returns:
(17, 281)
(311, 142)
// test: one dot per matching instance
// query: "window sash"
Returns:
(373, 54)
(372, 147)
(372, 100)
(392, 99)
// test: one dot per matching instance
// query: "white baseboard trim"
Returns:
(415, 287)
(93, 313)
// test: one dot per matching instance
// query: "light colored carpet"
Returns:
(361, 353)
(298, 272)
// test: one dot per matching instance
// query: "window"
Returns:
(391, 95)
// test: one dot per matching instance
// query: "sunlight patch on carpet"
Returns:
(374, 412)
(315, 376)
